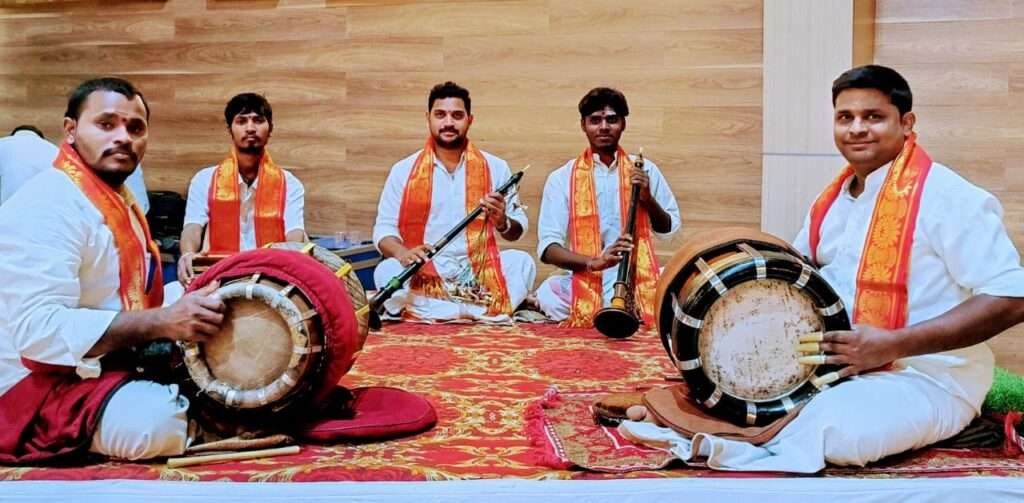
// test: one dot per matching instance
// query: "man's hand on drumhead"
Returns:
(861, 349)
(194, 316)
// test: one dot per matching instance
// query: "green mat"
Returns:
(1007, 393)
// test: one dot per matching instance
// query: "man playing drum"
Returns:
(583, 213)
(81, 283)
(429, 193)
(247, 200)
(921, 259)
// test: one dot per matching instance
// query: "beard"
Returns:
(254, 150)
(457, 143)
(113, 179)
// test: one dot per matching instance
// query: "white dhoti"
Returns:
(555, 294)
(854, 423)
(142, 420)
(517, 267)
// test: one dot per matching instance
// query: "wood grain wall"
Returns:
(964, 60)
(348, 81)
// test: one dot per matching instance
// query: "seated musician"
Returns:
(81, 282)
(583, 217)
(426, 195)
(921, 259)
(255, 201)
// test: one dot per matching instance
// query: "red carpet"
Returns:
(482, 380)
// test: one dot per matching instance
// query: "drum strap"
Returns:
(882, 299)
(115, 208)
(225, 204)
(484, 255)
(585, 239)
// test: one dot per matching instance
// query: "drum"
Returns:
(730, 307)
(343, 270)
(289, 334)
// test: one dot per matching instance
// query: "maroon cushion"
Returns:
(379, 413)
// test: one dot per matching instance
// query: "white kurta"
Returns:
(555, 293)
(197, 207)
(960, 249)
(447, 209)
(61, 292)
(23, 155)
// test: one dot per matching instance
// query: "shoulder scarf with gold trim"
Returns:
(225, 205)
(882, 299)
(132, 266)
(585, 239)
(484, 256)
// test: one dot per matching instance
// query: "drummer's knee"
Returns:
(143, 420)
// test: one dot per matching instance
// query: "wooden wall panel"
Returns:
(348, 80)
(964, 60)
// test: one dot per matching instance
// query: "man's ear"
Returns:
(70, 127)
(583, 124)
(907, 121)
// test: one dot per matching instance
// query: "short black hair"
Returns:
(449, 90)
(113, 84)
(600, 97)
(28, 127)
(248, 103)
(879, 77)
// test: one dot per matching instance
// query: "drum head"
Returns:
(748, 340)
(253, 347)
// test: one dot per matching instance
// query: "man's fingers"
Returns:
(825, 380)
(210, 316)
(212, 303)
(813, 360)
(838, 336)
(809, 347)
(210, 287)
(812, 337)
(202, 329)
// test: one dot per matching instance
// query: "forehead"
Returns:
(862, 99)
(449, 104)
(248, 115)
(606, 112)
(110, 102)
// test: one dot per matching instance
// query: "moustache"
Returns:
(122, 150)
(449, 130)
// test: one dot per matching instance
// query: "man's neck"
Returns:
(860, 176)
(249, 166)
(607, 156)
(449, 157)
